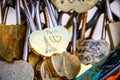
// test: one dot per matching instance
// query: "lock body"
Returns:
(92, 51)
(114, 34)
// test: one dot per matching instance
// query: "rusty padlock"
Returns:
(12, 40)
(16, 69)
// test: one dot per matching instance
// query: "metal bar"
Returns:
(54, 21)
(38, 16)
(18, 14)
(27, 12)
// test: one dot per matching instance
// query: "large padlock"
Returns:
(113, 28)
(12, 40)
(17, 69)
(91, 51)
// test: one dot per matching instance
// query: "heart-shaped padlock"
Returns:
(91, 51)
(79, 6)
(50, 41)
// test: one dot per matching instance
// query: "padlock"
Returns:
(47, 72)
(17, 69)
(79, 6)
(91, 51)
(112, 27)
(12, 40)
(65, 64)
(50, 40)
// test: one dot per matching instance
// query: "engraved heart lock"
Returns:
(79, 6)
(67, 64)
(50, 40)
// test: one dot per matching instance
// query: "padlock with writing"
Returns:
(50, 40)
(91, 51)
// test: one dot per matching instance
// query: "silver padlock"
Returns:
(113, 28)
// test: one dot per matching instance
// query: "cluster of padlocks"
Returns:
(35, 50)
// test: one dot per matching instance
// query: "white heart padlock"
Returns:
(50, 41)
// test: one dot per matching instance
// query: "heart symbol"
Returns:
(49, 41)
(55, 38)
(77, 5)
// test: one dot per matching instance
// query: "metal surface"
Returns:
(50, 11)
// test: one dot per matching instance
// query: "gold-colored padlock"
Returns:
(11, 41)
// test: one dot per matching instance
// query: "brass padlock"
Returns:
(11, 41)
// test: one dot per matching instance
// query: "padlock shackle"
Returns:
(50, 11)
(27, 12)
(84, 15)
(46, 16)
(18, 14)
(103, 34)
(60, 17)
(32, 10)
(38, 20)
(3, 10)
(109, 13)
(91, 23)
(26, 48)
(69, 22)
(74, 36)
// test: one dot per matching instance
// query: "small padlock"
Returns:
(51, 40)
(113, 28)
